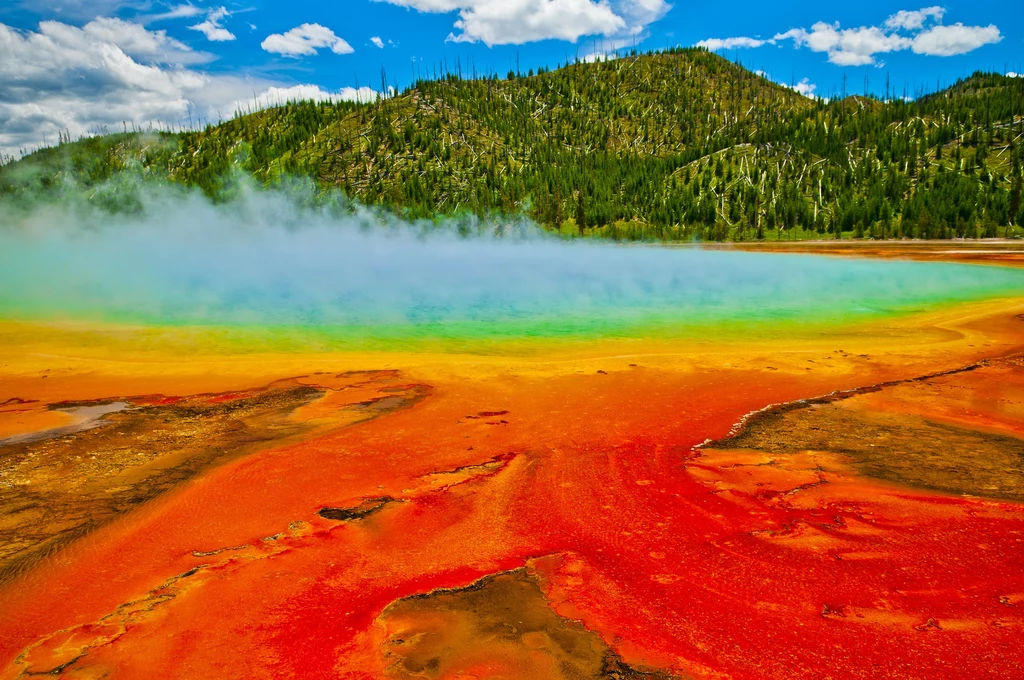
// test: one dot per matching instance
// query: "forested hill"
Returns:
(676, 145)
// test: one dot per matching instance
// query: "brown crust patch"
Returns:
(58, 485)
(502, 624)
(956, 431)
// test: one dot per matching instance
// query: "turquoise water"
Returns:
(197, 264)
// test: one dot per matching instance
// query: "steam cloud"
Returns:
(270, 259)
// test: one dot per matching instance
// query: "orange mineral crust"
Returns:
(1000, 252)
(436, 540)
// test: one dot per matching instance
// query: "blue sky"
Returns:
(83, 66)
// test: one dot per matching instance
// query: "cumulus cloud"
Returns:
(917, 30)
(913, 20)
(504, 22)
(62, 77)
(639, 14)
(715, 44)
(132, 38)
(523, 21)
(305, 40)
(1012, 74)
(212, 29)
(847, 47)
(276, 96)
(948, 41)
(112, 72)
(805, 87)
(377, 41)
(597, 57)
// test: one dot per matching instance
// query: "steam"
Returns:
(278, 259)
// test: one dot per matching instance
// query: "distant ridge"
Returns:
(677, 145)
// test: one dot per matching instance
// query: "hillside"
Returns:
(674, 145)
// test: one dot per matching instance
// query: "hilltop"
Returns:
(675, 145)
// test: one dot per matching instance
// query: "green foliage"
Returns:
(677, 145)
(101, 167)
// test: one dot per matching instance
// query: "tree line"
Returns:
(675, 145)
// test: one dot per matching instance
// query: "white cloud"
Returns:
(641, 13)
(913, 20)
(185, 11)
(132, 38)
(212, 29)
(109, 72)
(522, 21)
(805, 87)
(276, 96)
(715, 44)
(377, 41)
(305, 40)
(1011, 74)
(595, 57)
(948, 41)
(504, 22)
(902, 31)
(846, 47)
